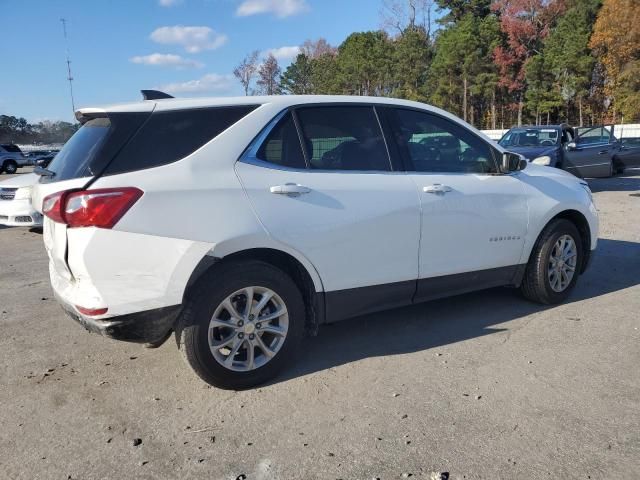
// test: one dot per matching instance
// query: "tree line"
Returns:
(18, 130)
(494, 63)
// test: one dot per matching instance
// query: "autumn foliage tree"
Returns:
(616, 43)
(495, 63)
(269, 76)
(525, 24)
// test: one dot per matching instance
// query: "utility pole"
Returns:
(69, 76)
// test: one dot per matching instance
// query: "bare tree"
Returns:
(316, 48)
(247, 70)
(398, 15)
(269, 76)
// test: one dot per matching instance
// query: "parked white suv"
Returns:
(241, 223)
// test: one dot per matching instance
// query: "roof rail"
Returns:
(154, 95)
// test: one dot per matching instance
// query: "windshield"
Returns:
(75, 158)
(530, 137)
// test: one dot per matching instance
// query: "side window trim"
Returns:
(398, 162)
(409, 164)
(305, 154)
(250, 155)
(384, 139)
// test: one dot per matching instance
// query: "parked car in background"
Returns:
(628, 155)
(11, 158)
(241, 223)
(583, 151)
(15, 202)
(41, 158)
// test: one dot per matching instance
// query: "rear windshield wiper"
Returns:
(43, 172)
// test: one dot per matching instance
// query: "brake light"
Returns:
(100, 208)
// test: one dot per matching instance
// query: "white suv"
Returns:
(242, 223)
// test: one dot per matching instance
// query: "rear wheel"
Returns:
(618, 166)
(9, 167)
(554, 264)
(241, 324)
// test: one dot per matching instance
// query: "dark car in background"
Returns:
(628, 155)
(584, 151)
(41, 158)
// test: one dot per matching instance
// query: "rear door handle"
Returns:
(289, 189)
(603, 152)
(436, 188)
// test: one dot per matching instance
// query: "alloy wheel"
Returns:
(248, 328)
(562, 263)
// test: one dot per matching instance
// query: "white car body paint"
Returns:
(352, 230)
(346, 225)
(458, 228)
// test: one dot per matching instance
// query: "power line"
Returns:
(69, 76)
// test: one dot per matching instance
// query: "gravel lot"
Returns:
(483, 385)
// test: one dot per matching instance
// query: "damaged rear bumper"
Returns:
(149, 326)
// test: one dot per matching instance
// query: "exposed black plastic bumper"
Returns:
(141, 327)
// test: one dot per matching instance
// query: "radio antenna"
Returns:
(69, 76)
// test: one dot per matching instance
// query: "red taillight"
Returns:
(92, 312)
(52, 206)
(100, 208)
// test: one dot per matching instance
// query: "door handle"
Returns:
(289, 189)
(603, 152)
(436, 188)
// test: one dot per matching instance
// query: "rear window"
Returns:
(79, 152)
(11, 148)
(170, 136)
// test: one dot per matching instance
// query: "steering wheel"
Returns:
(546, 142)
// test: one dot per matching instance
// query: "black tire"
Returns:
(536, 285)
(9, 167)
(192, 332)
(618, 166)
(611, 170)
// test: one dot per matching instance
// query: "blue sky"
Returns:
(112, 45)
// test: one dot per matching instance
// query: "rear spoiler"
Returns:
(83, 115)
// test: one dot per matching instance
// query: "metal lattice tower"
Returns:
(69, 76)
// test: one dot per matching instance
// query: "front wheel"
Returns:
(10, 167)
(554, 263)
(241, 324)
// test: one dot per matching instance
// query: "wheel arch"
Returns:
(288, 263)
(582, 224)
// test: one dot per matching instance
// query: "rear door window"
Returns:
(172, 135)
(343, 138)
(282, 146)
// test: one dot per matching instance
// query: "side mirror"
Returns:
(512, 162)
(572, 146)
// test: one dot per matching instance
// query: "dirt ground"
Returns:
(484, 385)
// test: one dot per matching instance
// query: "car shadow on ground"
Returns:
(616, 266)
(628, 182)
